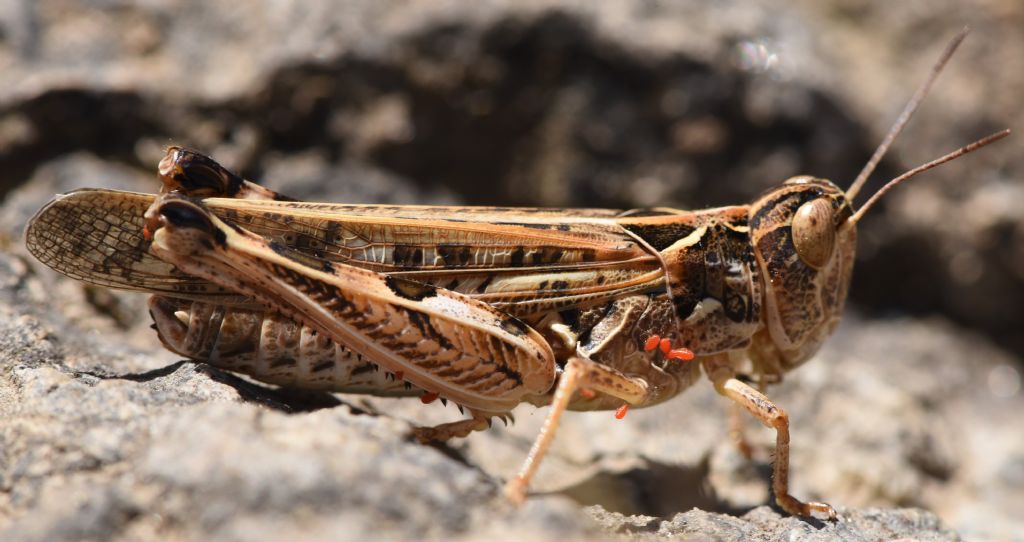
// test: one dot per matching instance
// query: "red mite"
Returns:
(655, 341)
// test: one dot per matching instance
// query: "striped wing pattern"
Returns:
(522, 260)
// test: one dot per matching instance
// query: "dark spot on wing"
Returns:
(416, 291)
(400, 254)
(516, 260)
(407, 256)
(311, 262)
(279, 248)
(515, 326)
(453, 255)
(328, 234)
(483, 285)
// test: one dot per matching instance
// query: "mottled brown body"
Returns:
(482, 306)
(487, 307)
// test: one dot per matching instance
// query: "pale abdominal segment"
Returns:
(269, 347)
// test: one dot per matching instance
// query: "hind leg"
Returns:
(448, 431)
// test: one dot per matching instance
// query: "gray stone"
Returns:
(765, 524)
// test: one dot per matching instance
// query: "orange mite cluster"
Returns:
(655, 341)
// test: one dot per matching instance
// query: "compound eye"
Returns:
(814, 234)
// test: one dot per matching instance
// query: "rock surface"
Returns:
(910, 414)
(764, 524)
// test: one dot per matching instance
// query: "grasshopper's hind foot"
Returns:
(448, 431)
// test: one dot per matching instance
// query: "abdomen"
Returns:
(269, 348)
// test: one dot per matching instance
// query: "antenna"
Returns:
(908, 111)
(921, 169)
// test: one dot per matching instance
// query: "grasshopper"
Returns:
(487, 307)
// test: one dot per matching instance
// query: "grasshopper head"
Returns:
(804, 243)
(804, 236)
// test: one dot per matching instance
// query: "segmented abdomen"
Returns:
(269, 348)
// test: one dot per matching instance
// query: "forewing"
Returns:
(95, 236)
(524, 260)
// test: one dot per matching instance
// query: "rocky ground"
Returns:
(908, 421)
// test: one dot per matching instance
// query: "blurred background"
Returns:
(616, 104)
